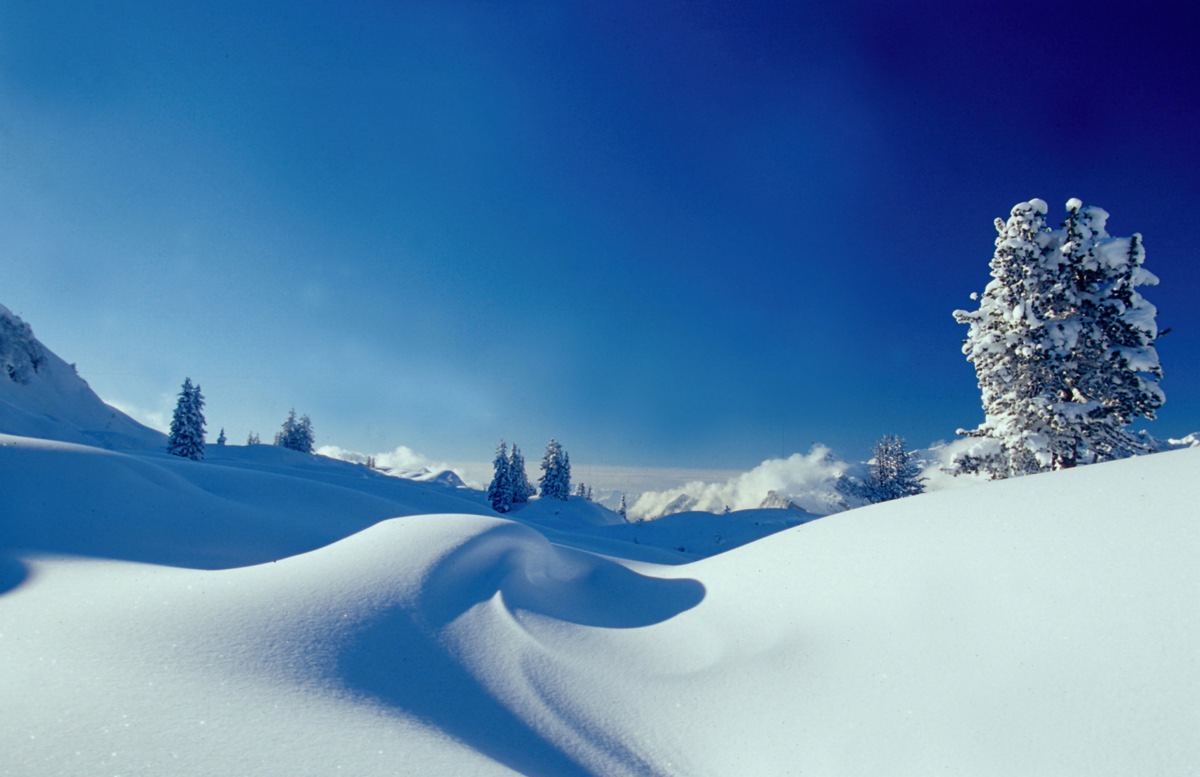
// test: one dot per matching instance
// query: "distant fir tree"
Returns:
(500, 490)
(296, 434)
(186, 437)
(555, 481)
(623, 509)
(252, 439)
(894, 474)
(221, 437)
(581, 491)
(522, 489)
(1062, 343)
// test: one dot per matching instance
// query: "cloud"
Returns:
(806, 479)
(401, 460)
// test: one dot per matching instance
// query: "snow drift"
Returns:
(273, 613)
(1041, 625)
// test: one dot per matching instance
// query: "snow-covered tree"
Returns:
(893, 474)
(1116, 366)
(623, 509)
(581, 491)
(186, 436)
(1062, 343)
(500, 490)
(555, 481)
(522, 489)
(221, 437)
(252, 439)
(296, 433)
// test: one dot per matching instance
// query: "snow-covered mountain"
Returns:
(42, 396)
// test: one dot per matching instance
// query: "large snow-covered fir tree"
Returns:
(296, 434)
(522, 489)
(555, 481)
(1062, 343)
(500, 490)
(186, 437)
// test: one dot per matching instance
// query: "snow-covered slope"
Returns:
(42, 396)
(1045, 625)
(242, 505)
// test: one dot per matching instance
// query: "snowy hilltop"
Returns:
(42, 396)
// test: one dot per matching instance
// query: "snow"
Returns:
(274, 613)
(54, 403)
(1038, 625)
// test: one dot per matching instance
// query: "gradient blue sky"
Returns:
(667, 233)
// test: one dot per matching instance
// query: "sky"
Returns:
(668, 234)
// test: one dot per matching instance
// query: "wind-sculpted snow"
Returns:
(514, 568)
(470, 652)
(242, 506)
(1043, 625)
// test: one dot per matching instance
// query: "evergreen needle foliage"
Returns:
(186, 437)
(1063, 345)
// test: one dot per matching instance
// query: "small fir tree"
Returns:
(186, 436)
(522, 489)
(894, 474)
(623, 509)
(221, 437)
(296, 433)
(500, 491)
(555, 481)
(252, 439)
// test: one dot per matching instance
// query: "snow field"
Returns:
(1043, 625)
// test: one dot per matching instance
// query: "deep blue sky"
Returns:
(669, 234)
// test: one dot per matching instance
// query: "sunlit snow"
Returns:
(272, 613)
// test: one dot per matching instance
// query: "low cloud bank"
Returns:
(401, 461)
(806, 480)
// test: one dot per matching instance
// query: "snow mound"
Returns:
(1041, 625)
(42, 396)
(243, 505)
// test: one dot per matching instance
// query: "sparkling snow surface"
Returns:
(1045, 625)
